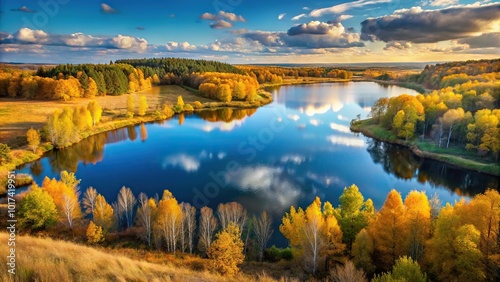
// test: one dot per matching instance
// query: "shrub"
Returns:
(167, 111)
(347, 272)
(37, 209)
(197, 105)
(188, 108)
(226, 252)
(94, 233)
(274, 254)
(177, 109)
(5, 156)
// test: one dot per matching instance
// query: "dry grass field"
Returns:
(43, 259)
(17, 116)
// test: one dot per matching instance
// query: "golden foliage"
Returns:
(94, 233)
(226, 252)
(387, 230)
(65, 199)
(33, 138)
(143, 106)
(103, 213)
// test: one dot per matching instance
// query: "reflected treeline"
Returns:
(394, 159)
(122, 134)
(225, 115)
(143, 132)
(402, 163)
(118, 135)
(89, 150)
(462, 182)
(36, 168)
(131, 132)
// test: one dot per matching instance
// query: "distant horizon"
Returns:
(284, 64)
(251, 32)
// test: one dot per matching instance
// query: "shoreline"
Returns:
(363, 127)
(315, 80)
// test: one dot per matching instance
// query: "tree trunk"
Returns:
(440, 133)
(449, 136)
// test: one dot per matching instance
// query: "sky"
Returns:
(250, 31)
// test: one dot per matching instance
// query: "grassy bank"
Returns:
(45, 259)
(454, 156)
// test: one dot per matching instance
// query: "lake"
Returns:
(283, 154)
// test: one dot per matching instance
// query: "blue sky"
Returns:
(244, 31)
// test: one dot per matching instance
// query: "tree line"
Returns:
(69, 125)
(213, 79)
(65, 82)
(432, 75)
(275, 74)
(226, 87)
(64, 127)
(178, 66)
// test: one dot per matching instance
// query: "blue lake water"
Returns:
(283, 154)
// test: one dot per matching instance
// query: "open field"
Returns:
(17, 116)
(43, 259)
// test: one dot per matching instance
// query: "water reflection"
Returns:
(186, 162)
(405, 165)
(91, 150)
(36, 168)
(394, 159)
(461, 182)
(224, 119)
(268, 182)
(144, 132)
(118, 135)
(320, 100)
(226, 115)
(132, 133)
(88, 151)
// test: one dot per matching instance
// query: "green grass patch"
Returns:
(369, 128)
(4, 110)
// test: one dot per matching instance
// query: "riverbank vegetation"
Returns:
(411, 237)
(450, 122)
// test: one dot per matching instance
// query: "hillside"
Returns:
(42, 259)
